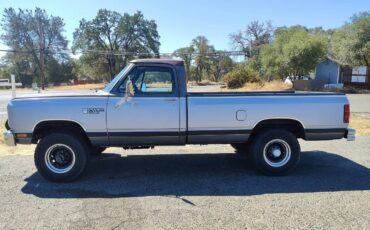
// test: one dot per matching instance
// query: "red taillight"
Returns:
(346, 113)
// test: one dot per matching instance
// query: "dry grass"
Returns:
(264, 86)
(202, 83)
(166, 84)
(79, 87)
(19, 150)
(66, 87)
(360, 122)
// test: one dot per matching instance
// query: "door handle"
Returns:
(171, 99)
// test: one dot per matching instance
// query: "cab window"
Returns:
(150, 80)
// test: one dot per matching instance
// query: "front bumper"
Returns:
(9, 138)
(350, 134)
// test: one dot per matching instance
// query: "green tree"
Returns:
(21, 66)
(59, 72)
(202, 61)
(203, 50)
(35, 36)
(241, 74)
(186, 54)
(351, 43)
(294, 51)
(95, 67)
(119, 37)
(220, 64)
(80, 70)
(252, 38)
(4, 71)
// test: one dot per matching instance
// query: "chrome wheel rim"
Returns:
(60, 158)
(277, 153)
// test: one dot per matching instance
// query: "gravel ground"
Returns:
(360, 103)
(193, 187)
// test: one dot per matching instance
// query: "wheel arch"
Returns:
(292, 125)
(44, 127)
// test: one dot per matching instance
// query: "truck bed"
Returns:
(237, 113)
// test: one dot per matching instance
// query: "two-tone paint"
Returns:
(180, 118)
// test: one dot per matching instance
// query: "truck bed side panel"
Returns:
(210, 116)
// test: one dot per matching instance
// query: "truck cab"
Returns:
(155, 112)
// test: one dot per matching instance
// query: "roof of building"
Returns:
(333, 60)
(158, 60)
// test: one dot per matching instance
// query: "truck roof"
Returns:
(161, 61)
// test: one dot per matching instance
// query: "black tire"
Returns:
(275, 151)
(61, 157)
(241, 148)
(97, 150)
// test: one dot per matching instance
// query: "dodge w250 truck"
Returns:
(147, 104)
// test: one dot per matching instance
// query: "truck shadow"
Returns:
(202, 175)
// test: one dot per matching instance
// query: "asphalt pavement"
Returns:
(193, 187)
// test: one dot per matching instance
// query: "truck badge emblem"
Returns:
(92, 110)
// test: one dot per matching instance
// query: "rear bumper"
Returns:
(350, 134)
(330, 134)
(9, 138)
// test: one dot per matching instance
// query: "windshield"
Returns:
(110, 85)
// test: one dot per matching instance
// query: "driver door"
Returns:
(151, 116)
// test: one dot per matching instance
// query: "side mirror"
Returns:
(129, 90)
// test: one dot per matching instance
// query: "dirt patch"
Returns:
(267, 86)
(19, 149)
(262, 86)
(79, 87)
(202, 83)
(360, 122)
(66, 87)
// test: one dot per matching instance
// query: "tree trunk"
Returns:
(42, 57)
(200, 74)
(42, 73)
(365, 59)
(112, 67)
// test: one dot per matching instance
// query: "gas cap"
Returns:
(241, 115)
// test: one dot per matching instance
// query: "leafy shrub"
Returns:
(234, 80)
(240, 75)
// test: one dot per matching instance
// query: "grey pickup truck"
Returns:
(147, 104)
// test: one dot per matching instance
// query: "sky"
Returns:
(180, 21)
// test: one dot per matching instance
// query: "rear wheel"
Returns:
(61, 157)
(275, 152)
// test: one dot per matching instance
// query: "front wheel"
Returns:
(61, 157)
(275, 152)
